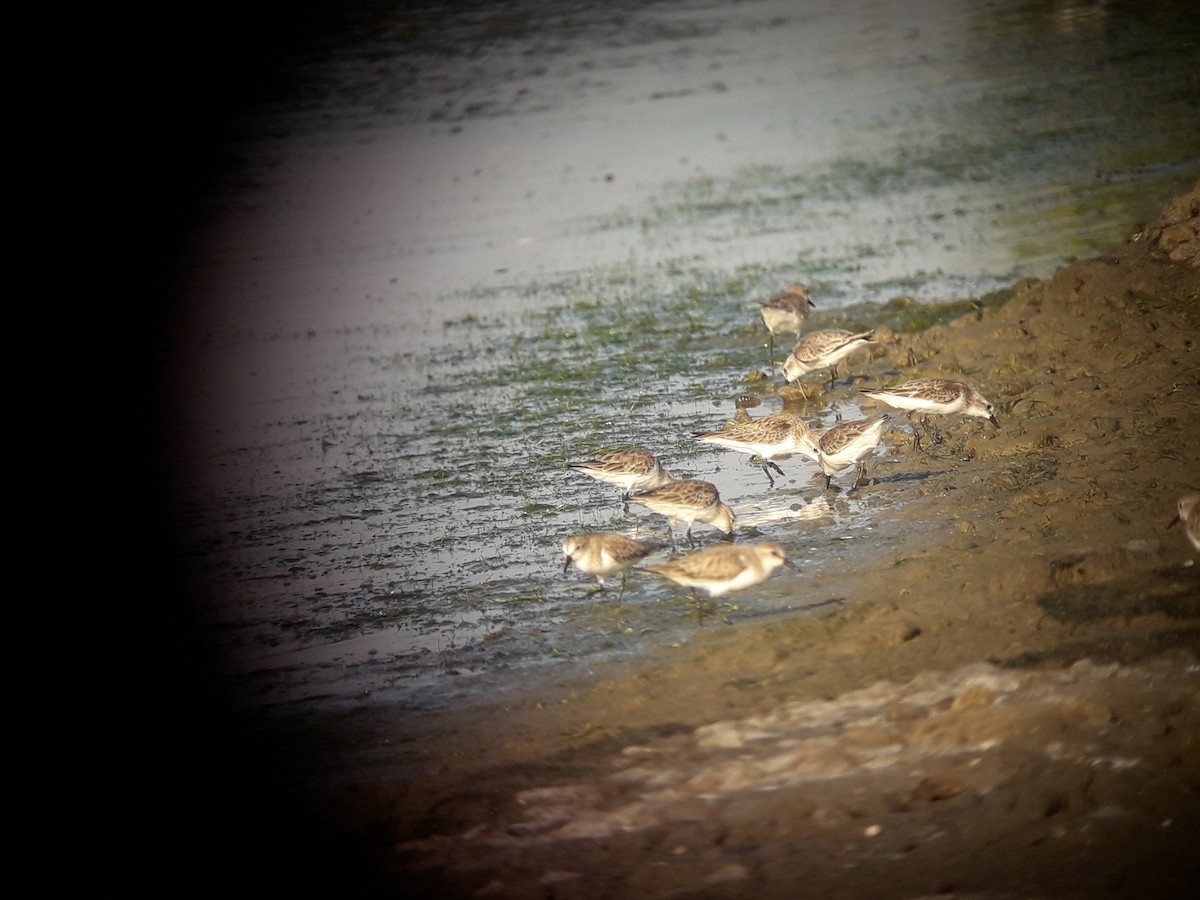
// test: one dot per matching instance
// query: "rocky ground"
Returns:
(1010, 710)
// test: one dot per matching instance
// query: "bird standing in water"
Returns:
(784, 313)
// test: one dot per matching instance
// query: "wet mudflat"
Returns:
(1020, 685)
(528, 239)
(403, 341)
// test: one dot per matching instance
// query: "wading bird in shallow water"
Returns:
(724, 568)
(605, 553)
(785, 312)
(628, 470)
(846, 444)
(688, 501)
(939, 396)
(823, 350)
(769, 438)
(1189, 515)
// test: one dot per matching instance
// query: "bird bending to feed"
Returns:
(935, 395)
(605, 553)
(724, 568)
(688, 501)
(1189, 515)
(628, 470)
(785, 312)
(823, 350)
(770, 438)
(846, 444)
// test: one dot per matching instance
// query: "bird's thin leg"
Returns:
(936, 434)
(763, 465)
(920, 429)
(706, 608)
(860, 472)
(916, 438)
(621, 593)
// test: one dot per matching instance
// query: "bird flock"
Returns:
(642, 479)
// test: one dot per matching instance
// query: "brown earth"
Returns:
(1011, 709)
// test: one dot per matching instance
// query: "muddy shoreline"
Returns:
(1031, 672)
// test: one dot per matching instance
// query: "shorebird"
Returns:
(846, 444)
(785, 312)
(770, 438)
(823, 350)
(605, 553)
(1189, 515)
(688, 501)
(723, 568)
(628, 470)
(935, 395)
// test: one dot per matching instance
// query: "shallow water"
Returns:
(464, 251)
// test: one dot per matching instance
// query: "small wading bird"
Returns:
(1189, 515)
(846, 444)
(785, 312)
(939, 396)
(769, 438)
(723, 568)
(688, 501)
(823, 350)
(628, 470)
(605, 553)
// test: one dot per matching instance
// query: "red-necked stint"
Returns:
(785, 312)
(940, 396)
(770, 438)
(604, 553)
(823, 350)
(628, 470)
(846, 444)
(723, 568)
(688, 501)
(1189, 515)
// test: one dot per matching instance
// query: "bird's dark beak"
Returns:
(566, 565)
(1175, 521)
(791, 565)
(992, 419)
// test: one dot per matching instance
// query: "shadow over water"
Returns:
(453, 249)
